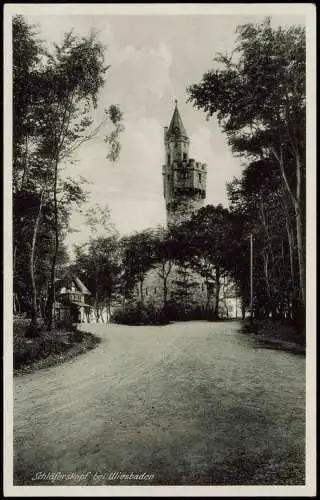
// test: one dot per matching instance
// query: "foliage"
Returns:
(203, 243)
(183, 288)
(98, 220)
(263, 210)
(258, 96)
(54, 90)
(139, 314)
(165, 256)
(138, 257)
(98, 265)
(47, 349)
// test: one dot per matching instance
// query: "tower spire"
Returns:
(176, 126)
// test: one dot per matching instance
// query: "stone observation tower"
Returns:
(184, 179)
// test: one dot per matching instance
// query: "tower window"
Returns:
(199, 177)
(184, 156)
(168, 157)
(182, 175)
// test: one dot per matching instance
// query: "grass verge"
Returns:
(49, 349)
(276, 335)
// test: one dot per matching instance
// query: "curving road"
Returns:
(188, 403)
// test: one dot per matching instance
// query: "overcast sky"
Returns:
(153, 59)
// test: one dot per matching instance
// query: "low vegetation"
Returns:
(139, 314)
(48, 348)
(148, 314)
(276, 335)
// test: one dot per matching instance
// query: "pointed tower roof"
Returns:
(176, 126)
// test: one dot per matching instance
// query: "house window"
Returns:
(155, 290)
(146, 291)
(168, 157)
(199, 177)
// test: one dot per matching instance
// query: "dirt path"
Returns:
(189, 403)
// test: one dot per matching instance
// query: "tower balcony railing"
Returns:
(191, 182)
(189, 191)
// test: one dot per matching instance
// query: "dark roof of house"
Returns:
(67, 280)
(81, 286)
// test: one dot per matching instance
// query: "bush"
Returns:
(174, 311)
(47, 348)
(147, 314)
(275, 331)
(139, 314)
(19, 327)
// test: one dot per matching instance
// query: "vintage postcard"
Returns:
(159, 186)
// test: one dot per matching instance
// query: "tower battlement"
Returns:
(184, 179)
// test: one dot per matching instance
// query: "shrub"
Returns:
(147, 314)
(139, 314)
(19, 327)
(174, 311)
(48, 349)
(31, 345)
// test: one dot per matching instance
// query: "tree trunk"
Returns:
(34, 304)
(141, 291)
(208, 295)
(266, 278)
(14, 258)
(164, 276)
(300, 253)
(52, 301)
(300, 229)
(290, 237)
(56, 156)
(217, 294)
(291, 250)
(25, 166)
(16, 304)
(165, 292)
(243, 310)
(96, 312)
(296, 201)
(265, 227)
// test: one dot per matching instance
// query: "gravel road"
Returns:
(192, 403)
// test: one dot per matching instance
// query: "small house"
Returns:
(71, 300)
